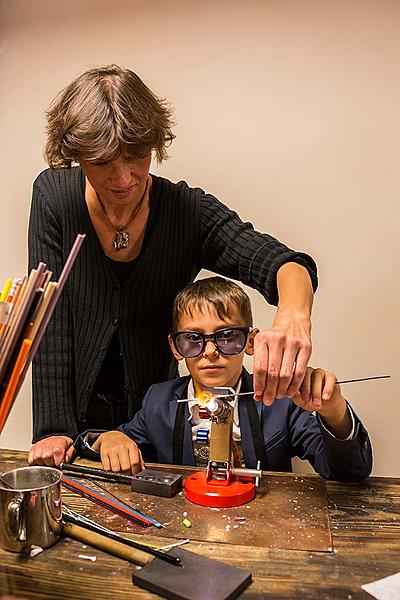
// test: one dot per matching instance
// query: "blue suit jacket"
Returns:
(287, 431)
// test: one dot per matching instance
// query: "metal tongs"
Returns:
(70, 516)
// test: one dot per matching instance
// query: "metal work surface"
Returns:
(293, 511)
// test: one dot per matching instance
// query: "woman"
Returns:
(146, 238)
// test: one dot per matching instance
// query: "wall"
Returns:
(286, 110)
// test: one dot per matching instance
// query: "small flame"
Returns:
(204, 397)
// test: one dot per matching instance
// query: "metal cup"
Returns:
(30, 508)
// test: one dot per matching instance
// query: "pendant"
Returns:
(121, 239)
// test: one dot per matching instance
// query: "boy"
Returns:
(212, 323)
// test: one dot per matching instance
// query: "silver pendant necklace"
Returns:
(122, 236)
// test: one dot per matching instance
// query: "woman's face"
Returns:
(120, 181)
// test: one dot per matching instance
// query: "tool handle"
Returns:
(102, 543)
(110, 475)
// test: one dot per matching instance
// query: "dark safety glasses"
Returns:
(229, 341)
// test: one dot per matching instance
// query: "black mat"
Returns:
(198, 578)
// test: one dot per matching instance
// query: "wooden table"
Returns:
(365, 527)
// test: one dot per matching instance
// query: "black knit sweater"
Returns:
(187, 230)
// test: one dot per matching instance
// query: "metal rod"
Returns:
(365, 379)
(70, 517)
(243, 472)
(252, 392)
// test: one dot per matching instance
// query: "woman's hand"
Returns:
(118, 452)
(51, 451)
(319, 392)
(281, 355)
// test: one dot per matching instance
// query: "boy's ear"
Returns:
(174, 351)
(249, 349)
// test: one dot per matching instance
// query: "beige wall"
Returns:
(286, 110)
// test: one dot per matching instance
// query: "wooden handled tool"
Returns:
(70, 516)
(101, 542)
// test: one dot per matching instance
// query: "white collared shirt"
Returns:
(354, 428)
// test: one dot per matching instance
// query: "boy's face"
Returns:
(212, 368)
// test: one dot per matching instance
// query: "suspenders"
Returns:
(256, 432)
(179, 430)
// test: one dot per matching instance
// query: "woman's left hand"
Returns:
(281, 356)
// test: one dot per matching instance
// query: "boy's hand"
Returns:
(319, 392)
(51, 451)
(118, 452)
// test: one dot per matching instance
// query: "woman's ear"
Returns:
(174, 351)
(249, 349)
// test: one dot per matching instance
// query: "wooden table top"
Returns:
(364, 525)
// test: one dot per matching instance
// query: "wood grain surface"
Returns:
(365, 526)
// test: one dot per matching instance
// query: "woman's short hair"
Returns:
(104, 113)
(218, 292)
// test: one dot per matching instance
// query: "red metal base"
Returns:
(215, 494)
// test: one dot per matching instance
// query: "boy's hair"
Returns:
(105, 113)
(217, 291)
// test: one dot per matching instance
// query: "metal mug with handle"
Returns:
(30, 508)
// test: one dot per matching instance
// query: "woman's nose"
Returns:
(121, 175)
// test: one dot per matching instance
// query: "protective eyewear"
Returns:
(229, 341)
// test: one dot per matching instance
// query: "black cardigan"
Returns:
(187, 230)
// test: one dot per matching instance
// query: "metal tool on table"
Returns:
(157, 483)
(70, 516)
